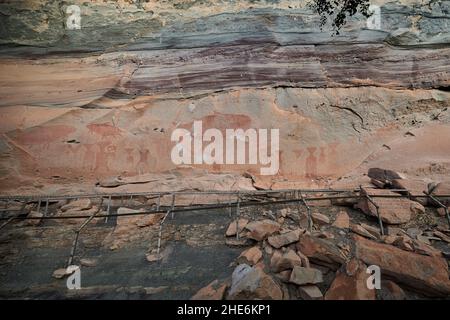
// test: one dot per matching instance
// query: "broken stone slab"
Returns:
(417, 208)
(320, 219)
(425, 274)
(79, 204)
(284, 261)
(394, 231)
(375, 231)
(414, 187)
(261, 229)
(404, 243)
(389, 239)
(231, 230)
(391, 210)
(425, 249)
(350, 283)
(239, 273)
(250, 256)
(253, 283)
(342, 220)
(321, 251)
(278, 241)
(303, 220)
(414, 232)
(302, 275)
(310, 292)
(356, 228)
(425, 239)
(379, 184)
(442, 236)
(213, 291)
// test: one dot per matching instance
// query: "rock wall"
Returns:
(103, 100)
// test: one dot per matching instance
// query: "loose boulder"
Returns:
(259, 230)
(301, 276)
(284, 239)
(252, 283)
(321, 251)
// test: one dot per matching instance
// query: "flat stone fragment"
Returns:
(284, 239)
(342, 220)
(414, 187)
(231, 231)
(301, 275)
(321, 251)
(391, 210)
(250, 256)
(351, 283)
(356, 228)
(426, 274)
(261, 229)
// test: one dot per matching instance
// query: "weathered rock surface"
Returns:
(391, 210)
(285, 261)
(423, 273)
(231, 230)
(108, 95)
(319, 218)
(441, 189)
(302, 276)
(320, 251)
(358, 229)
(342, 220)
(97, 106)
(253, 283)
(259, 230)
(250, 256)
(351, 283)
(284, 239)
(414, 187)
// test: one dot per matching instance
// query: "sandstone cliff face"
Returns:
(104, 99)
